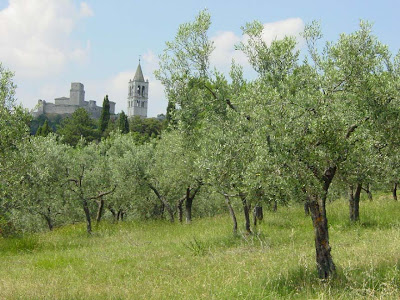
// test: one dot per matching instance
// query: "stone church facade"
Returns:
(64, 105)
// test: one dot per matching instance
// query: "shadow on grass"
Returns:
(201, 247)
(18, 245)
(366, 282)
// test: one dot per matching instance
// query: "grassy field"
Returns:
(158, 260)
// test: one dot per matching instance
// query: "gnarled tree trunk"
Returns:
(354, 203)
(257, 214)
(180, 209)
(325, 265)
(190, 194)
(87, 215)
(100, 209)
(232, 213)
(306, 208)
(167, 206)
(246, 209)
(188, 206)
(368, 191)
(114, 214)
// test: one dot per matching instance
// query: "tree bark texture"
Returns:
(257, 214)
(307, 208)
(354, 203)
(232, 213)
(100, 210)
(246, 210)
(180, 210)
(87, 215)
(188, 207)
(167, 206)
(395, 191)
(114, 214)
(325, 265)
(48, 221)
(190, 194)
(368, 191)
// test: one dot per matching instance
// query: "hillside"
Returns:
(158, 260)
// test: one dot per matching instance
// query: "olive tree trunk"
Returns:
(354, 203)
(167, 206)
(188, 207)
(325, 265)
(246, 210)
(257, 214)
(87, 215)
(100, 210)
(232, 213)
(180, 208)
(368, 191)
(190, 194)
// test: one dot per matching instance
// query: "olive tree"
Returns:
(313, 112)
(13, 130)
(41, 190)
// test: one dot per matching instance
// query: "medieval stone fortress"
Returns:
(138, 91)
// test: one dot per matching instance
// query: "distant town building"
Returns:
(138, 94)
(64, 105)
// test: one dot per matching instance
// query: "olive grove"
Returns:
(304, 127)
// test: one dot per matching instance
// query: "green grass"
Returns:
(158, 260)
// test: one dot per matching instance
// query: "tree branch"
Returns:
(103, 194)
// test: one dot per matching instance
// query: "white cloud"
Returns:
(278, 30)
(85, 10)
(225, 42)
(35, 36)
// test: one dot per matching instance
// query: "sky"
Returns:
(50, 43)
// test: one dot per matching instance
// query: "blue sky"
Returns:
(51, 43)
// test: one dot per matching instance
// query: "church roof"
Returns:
(138, 74)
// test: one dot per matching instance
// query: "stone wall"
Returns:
(64, 105)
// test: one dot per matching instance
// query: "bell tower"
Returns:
(138, 94)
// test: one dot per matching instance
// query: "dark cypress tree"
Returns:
(105, 115)
(123, 124)
(39, 131)
(44, 130)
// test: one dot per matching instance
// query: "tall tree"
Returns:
(314, 114)
(123, 124)
(44, 130)
(13, 130)
(105, 115)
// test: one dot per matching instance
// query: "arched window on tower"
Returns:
(143, 91)
(138, 90)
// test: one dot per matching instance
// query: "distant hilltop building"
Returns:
(64, 105)
(138, 94)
